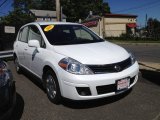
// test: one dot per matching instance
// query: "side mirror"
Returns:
(34, 43)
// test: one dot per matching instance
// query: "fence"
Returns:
(6, 54)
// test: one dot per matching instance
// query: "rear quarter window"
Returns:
(23, 35)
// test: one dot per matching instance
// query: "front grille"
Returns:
(111, 68)
(106, 89)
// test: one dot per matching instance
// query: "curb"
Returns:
(149, 66)
(146, 44)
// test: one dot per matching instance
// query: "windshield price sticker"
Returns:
(48, 28)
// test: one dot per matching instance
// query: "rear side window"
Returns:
(23, 36)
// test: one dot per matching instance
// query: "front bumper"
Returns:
(7, 100)
(99, 85)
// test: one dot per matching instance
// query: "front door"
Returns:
(35, 56)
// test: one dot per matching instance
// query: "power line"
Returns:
(6, 12)
(3, 3)
(153, 6)
(140, 6)
(2, 13)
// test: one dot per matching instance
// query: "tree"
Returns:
(79, 9)
(17, 18)
(73, 9)
(20, 14)
(153, 28)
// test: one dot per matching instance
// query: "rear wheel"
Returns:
(18, 68)
(52, 87)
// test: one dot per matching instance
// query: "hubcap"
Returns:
(51, 86)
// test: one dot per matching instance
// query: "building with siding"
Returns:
(112, 25)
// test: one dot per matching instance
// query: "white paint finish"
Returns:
(94, 53)
(34, 60)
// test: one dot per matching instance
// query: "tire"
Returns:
(17, 66)
(52, 87)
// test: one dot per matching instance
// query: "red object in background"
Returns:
(132, 25)
(91, 23)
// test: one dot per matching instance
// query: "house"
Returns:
(46, 15)
(112, 25)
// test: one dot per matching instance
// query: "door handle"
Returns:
(25, 49)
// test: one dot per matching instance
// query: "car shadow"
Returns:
(93, 103)
(74, 104)
(78, 104)
(33, 79)
(152, 76)
(18, 109)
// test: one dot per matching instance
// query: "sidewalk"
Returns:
(135, 43)
(149, 66)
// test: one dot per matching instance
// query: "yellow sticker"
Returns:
(48, 28)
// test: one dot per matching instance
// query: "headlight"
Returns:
(4, 75)
(133, 59)
(74, 67)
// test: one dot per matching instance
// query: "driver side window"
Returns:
(34, 34)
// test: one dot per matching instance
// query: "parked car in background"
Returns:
(7, 91)
(73, 62)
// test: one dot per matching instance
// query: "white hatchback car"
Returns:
(73, 62)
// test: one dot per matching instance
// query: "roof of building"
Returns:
(119, 15)
(92, 17)
(45, 13)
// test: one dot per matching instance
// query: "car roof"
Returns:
(49, 23)
(55, 23)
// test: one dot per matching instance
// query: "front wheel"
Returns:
(52, 87)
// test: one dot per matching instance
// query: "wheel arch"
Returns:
(45, 69)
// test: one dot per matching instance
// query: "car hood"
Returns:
(94, 53)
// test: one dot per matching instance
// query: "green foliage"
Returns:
(73, 9)
(17, 17)
(79, 9)
(41, 4)
(153, 28)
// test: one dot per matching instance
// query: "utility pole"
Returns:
(58, 13)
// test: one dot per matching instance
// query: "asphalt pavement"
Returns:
(140, 103)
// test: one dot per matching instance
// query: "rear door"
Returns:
(21, 45)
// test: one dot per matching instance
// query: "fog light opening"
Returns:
(83, 91)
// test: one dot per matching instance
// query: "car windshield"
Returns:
(69, 34)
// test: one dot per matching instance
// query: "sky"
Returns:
(135, 7)
(6, 7)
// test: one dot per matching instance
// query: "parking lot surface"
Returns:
(140, 103)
